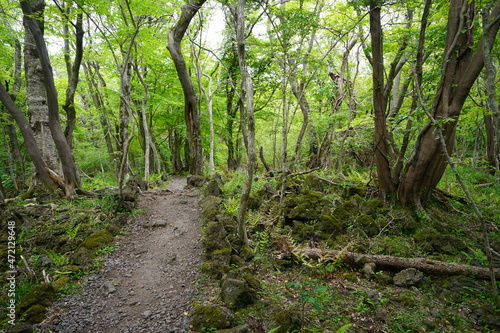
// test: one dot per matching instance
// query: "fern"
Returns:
(344, 328)
(72, 230)
(58, 259)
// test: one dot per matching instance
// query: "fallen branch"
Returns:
(422, 264)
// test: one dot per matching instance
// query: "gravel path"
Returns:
(146, 284)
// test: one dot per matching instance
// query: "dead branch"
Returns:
(422, 264)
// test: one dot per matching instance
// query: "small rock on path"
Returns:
(147, 283)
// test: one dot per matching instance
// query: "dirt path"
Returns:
(145, 285)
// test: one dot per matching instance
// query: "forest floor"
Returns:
(146, 284)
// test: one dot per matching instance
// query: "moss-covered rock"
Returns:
(204, 318)
(215, 237)
(305, 206)
(61, 282)
(355, 190)
(302, 232)
(44, 295)
(35, 314)
(86, 251)
(236, 261)
(367, 224)
(280, 319)
(210, 208)
(247, 253)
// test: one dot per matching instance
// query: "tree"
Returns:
(71, 177)
(247, 117)
(188, 11)
(462, 62)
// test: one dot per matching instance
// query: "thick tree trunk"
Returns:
(29, 140)
(461, 67)
(70, 172)
(190, 99)
(422, 264)
(36, 96)
(381, 145)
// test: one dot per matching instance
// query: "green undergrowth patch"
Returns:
(56, 241)
(328, 294)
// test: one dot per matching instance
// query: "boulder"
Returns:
(212, 317)
(408, 277)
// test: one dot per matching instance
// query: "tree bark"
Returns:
(248, 128)
(29, 140)
(73, 71)
(36, 96)
(422, 264)
(461, 67)
(492, 117)
(191, 111)
(386, 183)
(70, 172)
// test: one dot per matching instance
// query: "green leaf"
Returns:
(344, 328)
(274, 329)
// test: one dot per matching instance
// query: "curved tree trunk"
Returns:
(190, 99)
(70, 172)
(73, 71)
(461, 67)
(41, 168)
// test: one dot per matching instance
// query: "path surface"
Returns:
(146, 284)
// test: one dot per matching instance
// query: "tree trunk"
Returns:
(73, 71)
(422, 264)
(95, 83)
(190, 99)
(248, 129)
(386, 183)
(36, 96)
(70, 172)
(461, 67)
(41, 168)
(492, 117)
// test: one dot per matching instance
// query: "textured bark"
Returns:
(422, 264)
(386, 183)
(38, 109)
(190, 99)
(70, 172)
(29, 140)
(461, 67)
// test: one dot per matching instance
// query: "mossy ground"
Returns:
(346, 216)
(49, 233)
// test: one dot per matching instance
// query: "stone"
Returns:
(408, 277)
(369, 270)
(44, 295)
(107, 288)
(196, 181)
(211, 317)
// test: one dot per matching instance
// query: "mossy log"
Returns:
(422, 264)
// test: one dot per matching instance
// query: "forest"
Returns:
(385, 104)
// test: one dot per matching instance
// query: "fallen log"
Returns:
(422, 264)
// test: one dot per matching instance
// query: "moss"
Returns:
(97, 240)
(61, 282)
(302, 232)
(210, 208)
(35, 314)
(305, 206)
(87, 250)
(367, 224)
(237, 261)
(247, 253)
(44, 294)
(355, 189)
(331, 224)
(204, 318)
